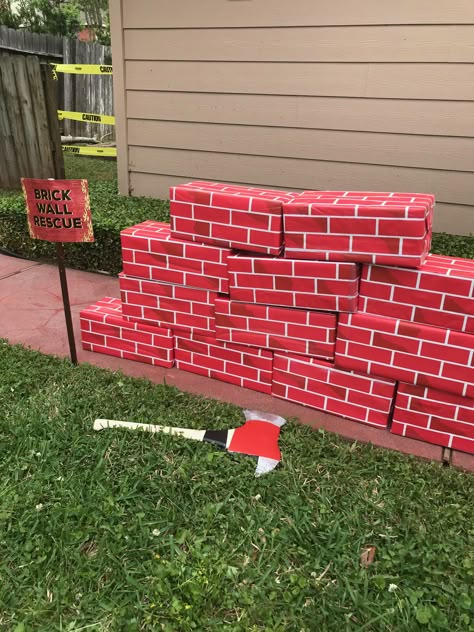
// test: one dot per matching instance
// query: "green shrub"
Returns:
(111, 213)
(453, 245)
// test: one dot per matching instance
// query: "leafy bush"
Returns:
(111, 213)
(453, 245)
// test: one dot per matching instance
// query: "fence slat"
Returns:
(12, 105)
(28, 144)
(68, 85)
(10, 168)
(28, 45)
(4, 35)
(11, 38)
(40, 117)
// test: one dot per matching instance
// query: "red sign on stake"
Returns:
(58, 210)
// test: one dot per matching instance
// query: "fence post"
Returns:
(51, 99)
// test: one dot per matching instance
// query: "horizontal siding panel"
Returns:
(454, 218)
(446, 217)
(454, 187)
(402, 81)
(214, 13)
(434, 152)
(448, 118)
(446, 43)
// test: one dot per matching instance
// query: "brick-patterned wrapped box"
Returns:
(434, 416)
(440, 293)
(390, 229)
(278, 328)
(409, 352)
(149, 252)
(319, 385)
(321, 285)
(167, 305)
(104, 330)
(231, 216)
(237, 364)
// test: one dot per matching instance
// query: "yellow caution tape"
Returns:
(90, 150)
(82, 69)
(86, 118)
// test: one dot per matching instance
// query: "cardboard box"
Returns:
(149, 252)
(231, 216)
(409, 352)
(237, 364)
(440, 293)
(434, 416)
(278, 328)
(167, 305)
(104, 330)
(383, 196)
(321, 285)
(373, 228)
(320, 385)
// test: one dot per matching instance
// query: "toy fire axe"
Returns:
(257, 437)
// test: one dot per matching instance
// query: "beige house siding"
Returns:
(304, 95)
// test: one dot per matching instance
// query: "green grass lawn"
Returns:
(121, 531)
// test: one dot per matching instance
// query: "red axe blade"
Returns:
(257, 437)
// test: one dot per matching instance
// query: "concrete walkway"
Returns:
(31, 314)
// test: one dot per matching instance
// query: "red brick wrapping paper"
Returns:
(321, 285)
(319, 385)
(104, 330)
(237, 364)
(166, 305)
(434, 416)
(231, 216)
(278, 328)
(409, 352)
(390, 229)
(440, 293)
(149, 252)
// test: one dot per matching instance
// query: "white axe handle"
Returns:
(188, 433)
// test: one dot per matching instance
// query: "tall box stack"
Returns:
(226, 217)
(329, 299)
(424, 320)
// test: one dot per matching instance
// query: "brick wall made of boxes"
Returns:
(325, 298)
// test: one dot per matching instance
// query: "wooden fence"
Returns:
(27, 130)
(31, 43)
(91, 94)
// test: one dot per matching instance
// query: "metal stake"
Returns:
(66, 303)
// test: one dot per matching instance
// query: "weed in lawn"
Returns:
(130, 531)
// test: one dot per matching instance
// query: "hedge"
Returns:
(111, 214)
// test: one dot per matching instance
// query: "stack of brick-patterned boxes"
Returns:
(418, 327)
(325, 298)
